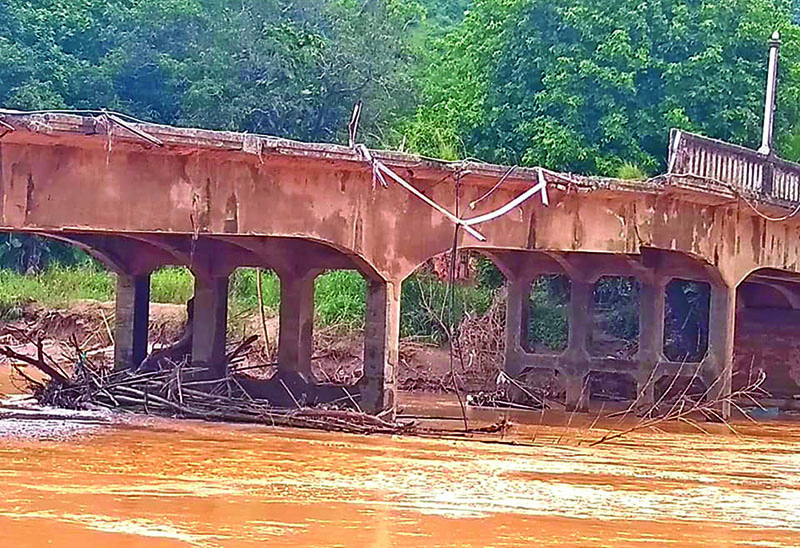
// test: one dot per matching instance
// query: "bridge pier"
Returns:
(381, 346)
(718, 366)
(652, 308)
(516, 322)
(576, 357)
(210, 323)
(296, 333)
(131, 320)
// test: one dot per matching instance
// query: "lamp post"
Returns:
(769, 104)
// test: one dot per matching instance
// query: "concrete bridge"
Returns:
(140, 196)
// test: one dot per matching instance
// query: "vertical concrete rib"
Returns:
(718, 365)
(295, 337)
(381, 346)
(132, 316)
(210, 323)
(577, 355)
(652, 303)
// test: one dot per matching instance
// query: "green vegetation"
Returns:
(426, 311)
(339, 299)
(61, 285)
(548, 324)
(283, 67)
(54, 287)
(630, 172)
(616, 307)
(167, 285)
(339, 296)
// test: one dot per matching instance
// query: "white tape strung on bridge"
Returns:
(379, 169)
(541, 186)
(416, 192)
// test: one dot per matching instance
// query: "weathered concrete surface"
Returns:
(214, 201)
(131, 318)
(56, 178)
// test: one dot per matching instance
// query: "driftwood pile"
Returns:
(184, 391)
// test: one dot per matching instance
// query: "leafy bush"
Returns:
(339, 299)
(631, 172)
(426, 306)
(548, 323)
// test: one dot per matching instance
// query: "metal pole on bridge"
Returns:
(769, 104)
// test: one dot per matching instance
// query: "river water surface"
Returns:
(165, 483)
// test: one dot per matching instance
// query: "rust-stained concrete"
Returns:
(214, 201)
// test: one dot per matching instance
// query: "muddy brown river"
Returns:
(168, 483)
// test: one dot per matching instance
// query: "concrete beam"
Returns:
(131, 320)
(381, 346)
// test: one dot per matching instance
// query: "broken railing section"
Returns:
(742, 170)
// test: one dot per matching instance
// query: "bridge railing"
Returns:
(741, 169)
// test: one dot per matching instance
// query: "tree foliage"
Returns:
(589, 85)
(292, 68)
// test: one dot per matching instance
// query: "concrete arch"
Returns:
(771, 273)
(120, 254)
(668, 264)
(112, 263)
(758, 294)
(294, 253)
(767, 328)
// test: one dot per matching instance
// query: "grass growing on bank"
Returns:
(339, 296)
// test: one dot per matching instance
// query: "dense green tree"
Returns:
(292, 68)
(442, 15)
(588, 85)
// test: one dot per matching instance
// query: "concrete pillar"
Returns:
(652, 303)
(577, 354)
(131, 320)
(296, 334)
(718, 365)
(381, 346)
(516, 320)
(210, 323)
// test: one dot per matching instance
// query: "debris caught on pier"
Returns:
(184, 391)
